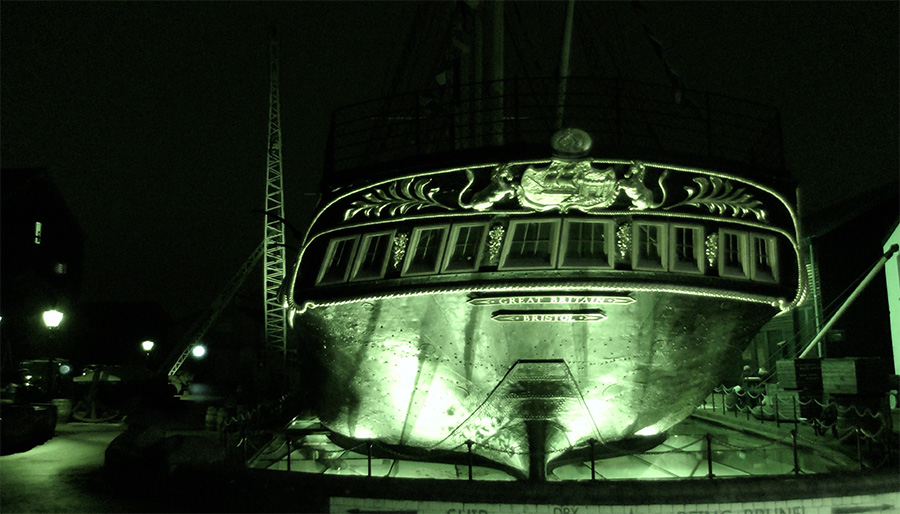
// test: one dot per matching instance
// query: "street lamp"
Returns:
(52, 318)
(147, 346)
(199, 351)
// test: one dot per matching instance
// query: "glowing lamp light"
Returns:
(52, 318)
(647, 431)
(64, 369)
(147, 345)
(199, 351)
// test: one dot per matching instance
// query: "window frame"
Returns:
(555, 226)
(329, 255)
(646, 264)
(451, 247)
(698, 265)
(608, 245)
(770, 276)
(414, 237)
(726, 270)
(365, 241)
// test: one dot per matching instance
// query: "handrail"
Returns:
(616, 112)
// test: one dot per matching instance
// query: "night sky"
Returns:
(152, 117)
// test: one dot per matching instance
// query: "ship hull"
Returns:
(522, 379)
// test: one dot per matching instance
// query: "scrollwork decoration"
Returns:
(720, 196)
(398, 198)
(712, 247)
(495, 242)
(401, 240)
(623, 239)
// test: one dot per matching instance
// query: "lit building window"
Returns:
(733, 255)
(531, 244)
(425, 249)
(686, 248)
(763, 259)
(336, 264)
(61, 268)
(38, 227)
(373, 256)
(649, 250)
(587, 244)
(465, 248)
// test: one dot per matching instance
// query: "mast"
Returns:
(856, 292)
(564, 64)
(274, 253)
(496, 71)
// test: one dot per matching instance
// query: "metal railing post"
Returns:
(369, 456)
(469, 444)
(796, 454)
(796, 422)
(418, 135)
(289, 452)
(593, 461)
(709, 455)
(858, 448)
(516, 128)
(777, 421)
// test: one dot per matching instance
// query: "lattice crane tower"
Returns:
(274, 266)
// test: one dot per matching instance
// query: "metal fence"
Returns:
(619, 114)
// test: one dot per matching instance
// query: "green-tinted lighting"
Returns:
(199, 351)
(52, 318)
(147, 345)
(647, 431)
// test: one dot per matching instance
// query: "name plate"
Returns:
(552, 300)
(548, 317)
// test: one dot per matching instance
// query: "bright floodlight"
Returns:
(52, 318)
(147, 345)
(199, 351)
(647, 431)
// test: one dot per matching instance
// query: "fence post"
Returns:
(777, 421)
(469, 444)
(516, 129)
(708, 127)
(369, 456)
(593, 467)
(796, 455)
(289, 451)
(796, 422)
(709, 459)
(418, 130)
(858, 448)
(618, 89)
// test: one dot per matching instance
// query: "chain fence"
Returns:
(794, 425)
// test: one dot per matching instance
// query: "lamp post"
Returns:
(199, 351)
(147, 346)
(52, 319)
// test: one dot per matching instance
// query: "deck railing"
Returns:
(629, 116)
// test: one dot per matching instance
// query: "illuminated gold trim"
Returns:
(785, 305)
(545, 287)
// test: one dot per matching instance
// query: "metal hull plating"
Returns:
(531, 311)
(434, 371)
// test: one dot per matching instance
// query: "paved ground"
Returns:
(65, 474)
